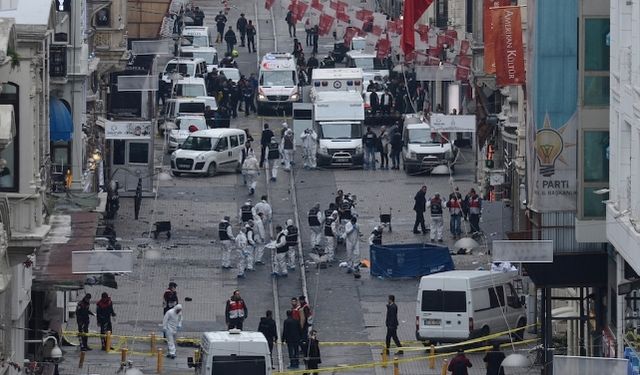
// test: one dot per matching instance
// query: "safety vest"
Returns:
(345, 211)
(246, 213)
(292, 235)
(327, 227)
(250, 234)
(474, 206)
(288, 142)
(236, 309)
(222, 231)
(436, 207)
(454, 207)
(282, 248)
(313, 217)
(295, 313)
(377, 237)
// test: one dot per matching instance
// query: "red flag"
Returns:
(487, 32)
(292, 5)
(451, 36)
(462, 73)
(349, 33)
(442, 39)
(324, 24)
(423, 30)
(268, 4)
(464, 60)
(509, 49)
(413, 10)
(341, 15)
(383, 48)
(317, 5)
(376, 30)
(299, 10)
(464, 46)
(363, 14)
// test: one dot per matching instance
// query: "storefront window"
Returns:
(596, 48)
(9, 156)
(138, 153)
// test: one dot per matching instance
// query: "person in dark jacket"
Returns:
(265, 141)
(251, 33)
(221, 21)
(419, 207)
(312, 352)
(494, 359)
(392, 324)
(459, 364)
(82, 318)
(230, 39)
(267, 327)
(104, 312)
(396, 148)
(291, 336)
(170, 298)
(369, 141)
(241, 26)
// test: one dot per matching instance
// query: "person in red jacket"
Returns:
(235, 311)
(459, 364)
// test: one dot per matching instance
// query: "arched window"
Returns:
(9, 156)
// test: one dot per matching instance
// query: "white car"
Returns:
(185, 126)
(184, 67)
(208, 54)
(231, 73)
(190, 87)
(209, 151)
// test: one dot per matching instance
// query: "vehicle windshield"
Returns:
(278, 78)
(191, 107)
(199, 143)
(358, 44)
(190, 90)
(364, 63)
(184, 69)
(185, 123)
(425, 136)
(197, 40)
(231, 74)
(211, 58)
(340, 131)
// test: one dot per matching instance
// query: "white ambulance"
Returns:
(277, 82)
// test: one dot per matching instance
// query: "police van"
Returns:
(232, 352)
(277, 82)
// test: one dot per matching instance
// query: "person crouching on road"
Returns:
(241, 252)
(352, 237)
(315, 219)
(171, 323)
(235, 311)
(292, 243)
(434, 204)
(225, 234)
(251, 170)
(260, 238)
(280, 260)
(330, 232)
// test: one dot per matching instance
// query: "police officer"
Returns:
(330, 232)
(292, 243)
(225, 234)
(316, 218)
(455, 212)
(280, 259)
(475, 210)
(246, 212)
(434, 204)
(376, 235)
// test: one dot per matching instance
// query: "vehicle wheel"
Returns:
(519, 334)
(176, 174)
(211, 171)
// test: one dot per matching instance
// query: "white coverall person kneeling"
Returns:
(241, 245)
(251, 171)
(171, 323)
(280, 257)
(309, 145)
(352, 241)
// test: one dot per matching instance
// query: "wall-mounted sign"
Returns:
(453, 123)
(127, 130)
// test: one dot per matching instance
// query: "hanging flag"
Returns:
(363, 14)
(487, 32)
(299, 10)
(292, 5)
(341, 15)
(423, 30)
(464, 46)
(462, 73)
(383, 48)
(451, 36)
(509, 50)
(413, 10)
(315, 4)
(349, 33)
(325, 24)
(268, 4)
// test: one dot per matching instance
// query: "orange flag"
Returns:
(509, 51)
(487, 32)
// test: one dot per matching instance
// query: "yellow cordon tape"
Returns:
(394, 361)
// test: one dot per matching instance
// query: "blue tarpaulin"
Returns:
(409, 260)
(60, 122)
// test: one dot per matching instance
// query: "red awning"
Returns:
(69, 232)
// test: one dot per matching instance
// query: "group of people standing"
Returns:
(467, 209)
(245, 28)
(387, 144)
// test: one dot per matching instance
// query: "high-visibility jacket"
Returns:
(222, 231)
(313, 217)
(236, 309)
(435, 204)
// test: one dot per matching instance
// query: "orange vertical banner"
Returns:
(488, 35)
(509, 50)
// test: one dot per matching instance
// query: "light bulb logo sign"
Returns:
(549, 146)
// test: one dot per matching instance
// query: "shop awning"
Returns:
(69, 232)
(60, 122)
(7, 125)
(570, 270)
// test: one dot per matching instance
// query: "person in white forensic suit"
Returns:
(352, 242)
(251, 171)
(260, 237)
(249, 251)
(171, 323)
(330, 233)
(264, 207)
(241, 245)
(309, 146)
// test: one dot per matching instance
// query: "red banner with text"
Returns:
(487, 32)
(509, 51)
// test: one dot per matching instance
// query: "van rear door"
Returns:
(444, 314)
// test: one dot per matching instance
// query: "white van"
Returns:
(190, 87)
(175, 107)
(424, 148)
(455, 306)
(209, 152)
(368, 62)
(232, 352)
(183, 128)
(197, 36)
(184, 67)
(277, 81)
(208, 54)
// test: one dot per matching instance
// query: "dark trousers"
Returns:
(83, 329)
(474, 221)
(105, 327)
(229, 47)
(248, 105)
(309, 38)
(294, 353)
(242, 36)
(263, 155)
(395, 158)
(392, 333)
(384, 160)
(235, 323)
(312, 364)
(419, 221)
(315, 45)
(292, 30)
(251, 43)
